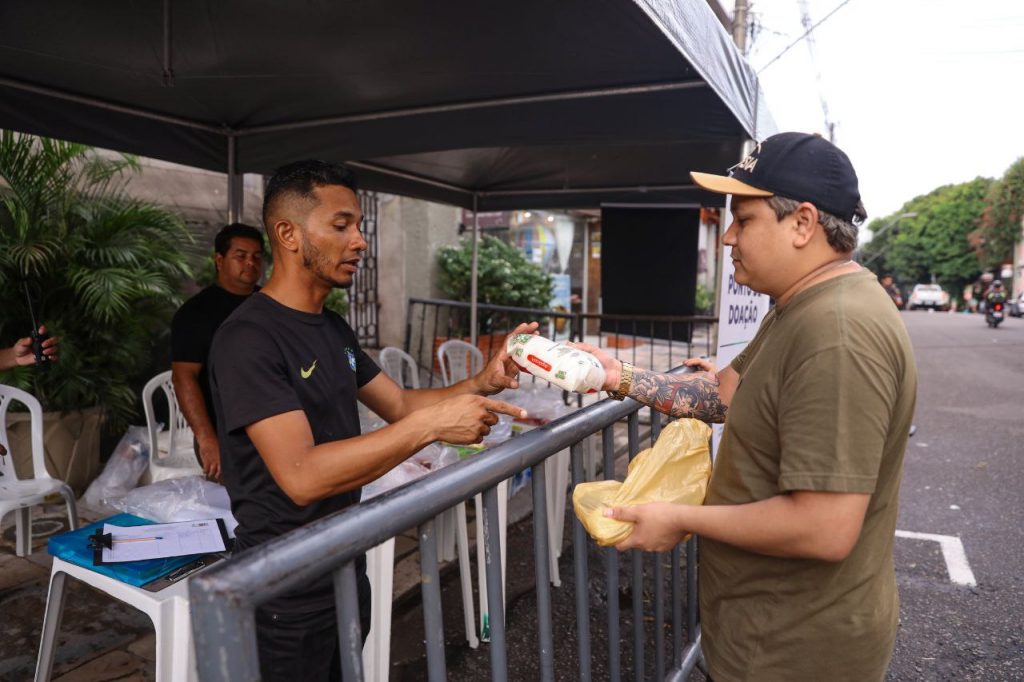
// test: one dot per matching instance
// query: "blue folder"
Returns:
(73, 547)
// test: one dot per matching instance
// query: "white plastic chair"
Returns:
(380, 569)
(20, 495)
(171, 452)
(400, 366)
(168, 609)
(380, 561)
(458, 361)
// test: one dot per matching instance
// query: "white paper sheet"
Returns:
(162, 540)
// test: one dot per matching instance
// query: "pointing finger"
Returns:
(504, 408)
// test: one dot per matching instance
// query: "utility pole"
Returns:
(805, 19)
(739, 26)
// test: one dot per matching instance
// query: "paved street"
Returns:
(963, 477)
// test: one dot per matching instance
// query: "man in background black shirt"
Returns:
(286, 376)
(238, 256)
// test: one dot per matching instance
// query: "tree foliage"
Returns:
(1001, 226)
(103, 270)
(504, 276)
(934, 242)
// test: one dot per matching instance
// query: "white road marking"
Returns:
(952, 551)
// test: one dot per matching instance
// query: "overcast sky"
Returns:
(923, 92)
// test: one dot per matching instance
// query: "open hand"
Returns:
(501, 372)
(612, 366)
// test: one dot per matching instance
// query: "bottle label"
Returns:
(540, 363)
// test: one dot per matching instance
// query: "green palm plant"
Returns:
(103, 270)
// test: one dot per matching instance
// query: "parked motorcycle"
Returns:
(995, 310)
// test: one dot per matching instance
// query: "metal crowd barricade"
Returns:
(649, 340)
(224, 598)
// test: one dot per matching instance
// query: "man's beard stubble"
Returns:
(314, 260)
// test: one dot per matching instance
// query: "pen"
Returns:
(138, 539)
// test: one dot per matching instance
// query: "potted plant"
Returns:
(504, 277)
(103, 271)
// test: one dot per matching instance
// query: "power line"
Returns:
(804, 35)
(805, 20)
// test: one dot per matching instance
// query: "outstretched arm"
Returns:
(704, 394)
(699, 395)
(392, 402)
(802, 524)
(307, 472)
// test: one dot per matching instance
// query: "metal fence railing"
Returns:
(657, 342)
(224, 598)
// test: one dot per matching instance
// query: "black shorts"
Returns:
(303, 645)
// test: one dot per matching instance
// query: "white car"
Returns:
(928, 296)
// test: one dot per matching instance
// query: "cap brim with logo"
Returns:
(796, 166)
(723, 184)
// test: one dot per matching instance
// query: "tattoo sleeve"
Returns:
(680, 395)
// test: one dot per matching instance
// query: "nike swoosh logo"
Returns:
(306, 373)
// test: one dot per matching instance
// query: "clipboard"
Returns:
(185, 571)
(166, 544)
(73, 547)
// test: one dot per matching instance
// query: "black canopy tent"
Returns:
(487, 106)
(570, 103)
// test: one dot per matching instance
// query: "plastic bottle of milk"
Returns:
(569, 368)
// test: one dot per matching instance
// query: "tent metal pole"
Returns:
(409, 176)
(473, 273)
(234, 186)
(109, 106)
(586, 190)
(634, 204)
(168, 75)
(481, 104)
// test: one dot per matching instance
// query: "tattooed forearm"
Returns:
(680, 395)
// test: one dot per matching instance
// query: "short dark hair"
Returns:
(222, 242)
(302, 177)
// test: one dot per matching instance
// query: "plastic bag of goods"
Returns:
(569, 368)
(122, 472)
(675, 470)
(189, 498)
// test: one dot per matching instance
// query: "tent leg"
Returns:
(473, 274)
(235, 192)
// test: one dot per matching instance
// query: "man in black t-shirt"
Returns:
(238, 256)
(286, 376)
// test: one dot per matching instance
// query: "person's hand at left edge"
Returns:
(501, 372)
(20, 354)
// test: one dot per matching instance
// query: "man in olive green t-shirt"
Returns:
(797, 578)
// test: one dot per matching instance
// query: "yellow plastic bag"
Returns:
(676, 469)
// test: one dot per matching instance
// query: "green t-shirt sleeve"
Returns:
(835, 411)
(740, 361)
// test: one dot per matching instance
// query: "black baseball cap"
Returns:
(796, 166)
